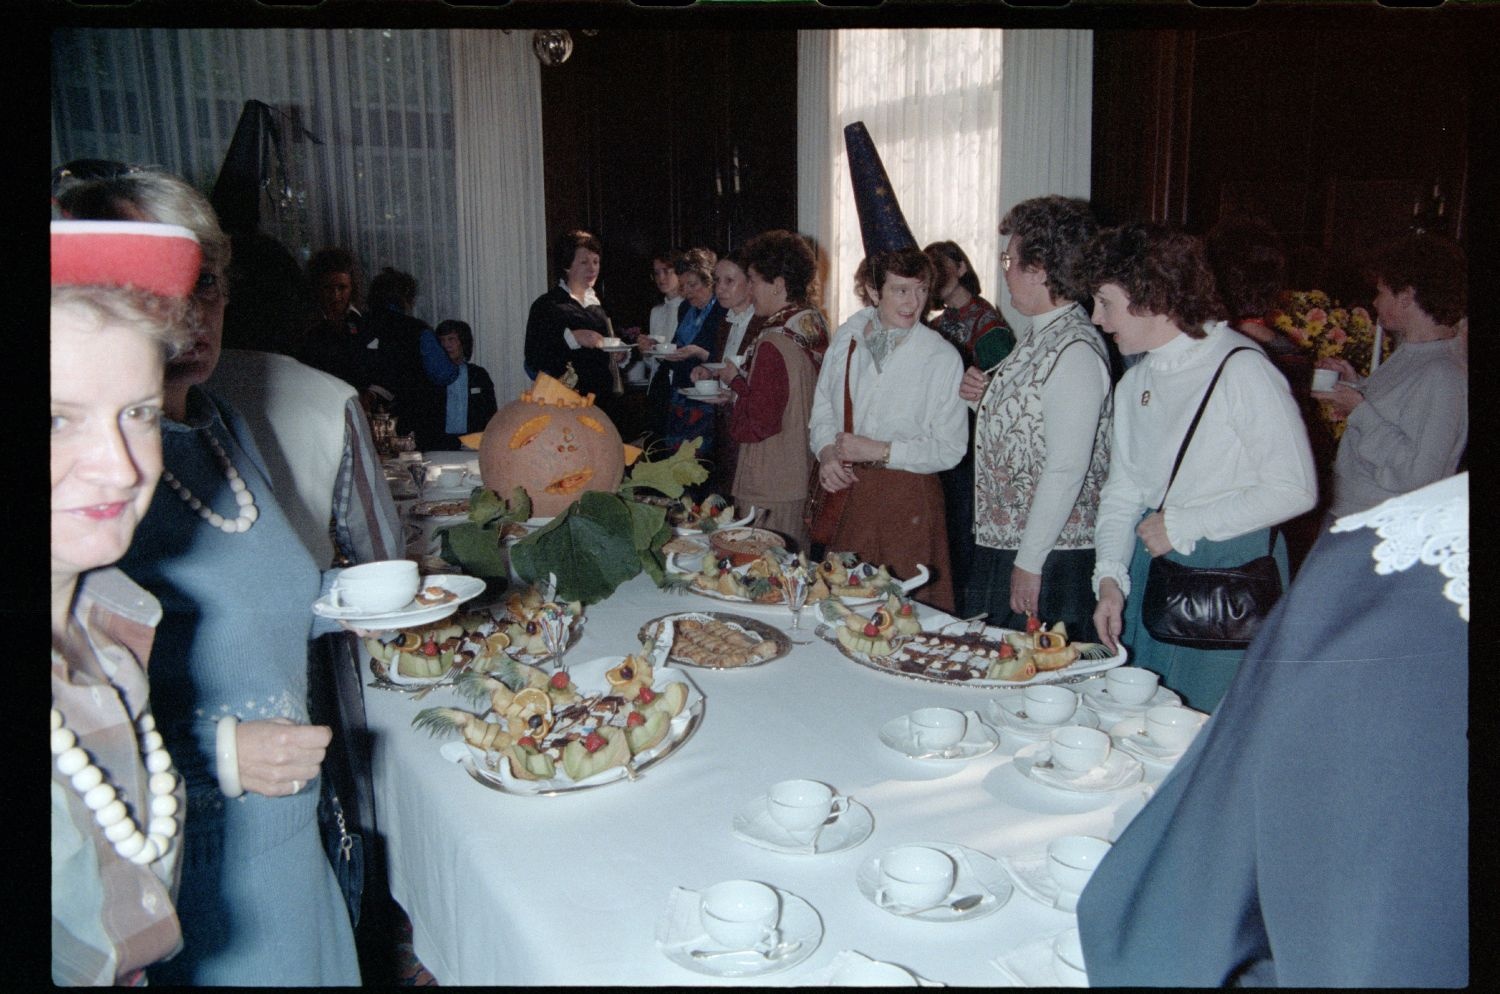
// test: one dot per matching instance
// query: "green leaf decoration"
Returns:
(486, 506)
(476, 548)
(590, 546)
(668, 476)
(440, 721)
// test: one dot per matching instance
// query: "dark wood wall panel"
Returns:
(644, 133)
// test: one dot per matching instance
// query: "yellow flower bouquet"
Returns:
(1324, 327)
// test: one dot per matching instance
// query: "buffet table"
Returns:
(569, 889)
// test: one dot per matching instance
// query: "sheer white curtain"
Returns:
(379, 179)
(960, 145)
(501, 225)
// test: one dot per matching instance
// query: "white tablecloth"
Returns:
(567, 890)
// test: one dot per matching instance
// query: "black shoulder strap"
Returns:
(1182, 449)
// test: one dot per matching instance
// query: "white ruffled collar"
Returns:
(1431, 526)
(590, 298)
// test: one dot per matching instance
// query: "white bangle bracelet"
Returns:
(227, 748)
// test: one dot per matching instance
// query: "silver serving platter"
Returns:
(633, 772)
(381, 671)
(767, 632)
(1075, 672)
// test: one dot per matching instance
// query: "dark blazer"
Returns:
(482, 405)
(547, 352)
(681, 371)
(419, 405)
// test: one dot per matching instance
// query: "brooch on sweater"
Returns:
(1145, 397)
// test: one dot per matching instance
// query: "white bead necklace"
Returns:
(124, 834)
(242, 495)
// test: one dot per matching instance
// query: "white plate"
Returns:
(978, 739)
(1030, 875)
(977, 873)
(1096, 696)
(676, 564)
(736, 523)
(617, 348)
(589, 678)
(423, 508)
(1005, 711)
(799, 923)
(1118, 770)
(753, 823)
(465, 587)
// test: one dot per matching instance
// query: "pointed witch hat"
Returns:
(881, 224)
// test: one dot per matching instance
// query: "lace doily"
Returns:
(1430, 526)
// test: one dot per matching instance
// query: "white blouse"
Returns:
(912, 402)
(738, 322)
(1248, 466)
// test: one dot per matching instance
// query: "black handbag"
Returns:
(1207, 607)
(345, 849)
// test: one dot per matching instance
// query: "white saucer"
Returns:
(977, 873)
(1031, 877)
(1096, 696)
(1118, 770)
(753, 824)
(851, 957)
(1005, 711)
(978, 739)
(1130, 735)
(680, 931)
(465, 587)
(622, 347)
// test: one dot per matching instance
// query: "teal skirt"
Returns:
(1200, 675)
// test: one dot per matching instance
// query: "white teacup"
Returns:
(914, 876)
(740, 914)
(935, 729)
(1078, 749)
(705, 388)
(1071, 860)
(872, 973)
(608, 342)
(1049, 705)
(1131, 684)
(801, 807)
(1067, 958)
(1173, 727)
(381, 586)
(1324, 380)
(449, 477)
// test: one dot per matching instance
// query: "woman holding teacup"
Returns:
(119, 293)
(259, 903)
(695, 341)
(1407, 423)
(1248, 466)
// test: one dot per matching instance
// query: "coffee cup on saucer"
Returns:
(1071, 860)
(914, 877)
(937, 729)
(740, 914)
(388, 585)
(801, 807)
(1131, 685)
(705, 388)
(1324, 380)
(1048, 704)
(1173, 727)
(449, 477)
(1067, 958)
(1079, 749)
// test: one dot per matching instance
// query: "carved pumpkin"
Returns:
(554, 443)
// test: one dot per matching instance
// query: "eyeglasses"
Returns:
(1005, 261)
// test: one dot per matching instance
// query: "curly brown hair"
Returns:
(1432, 266)
(1160, 269)
(1052, 232)
(910, 262)
(784, 254)
(1249, 265)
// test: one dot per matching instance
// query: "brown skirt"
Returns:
(896, 518)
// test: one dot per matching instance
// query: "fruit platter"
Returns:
(690, 517)
(841, 575)
(597, 723)
(469, 641)
(712, 640)
(892, 642)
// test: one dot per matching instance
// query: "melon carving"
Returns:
(554, 443)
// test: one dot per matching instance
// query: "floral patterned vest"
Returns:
(1009, 450)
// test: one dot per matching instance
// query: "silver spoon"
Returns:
(775, 952)
(960, 905)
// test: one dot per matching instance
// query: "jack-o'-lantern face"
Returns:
(553, 443)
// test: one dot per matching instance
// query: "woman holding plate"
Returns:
(694, 342)
(1248, 466)
(567, 325)
(259, 902)
(119, 294)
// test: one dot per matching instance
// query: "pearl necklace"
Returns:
(124, 834)
(242, 495)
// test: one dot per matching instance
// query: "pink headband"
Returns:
(158, 258)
